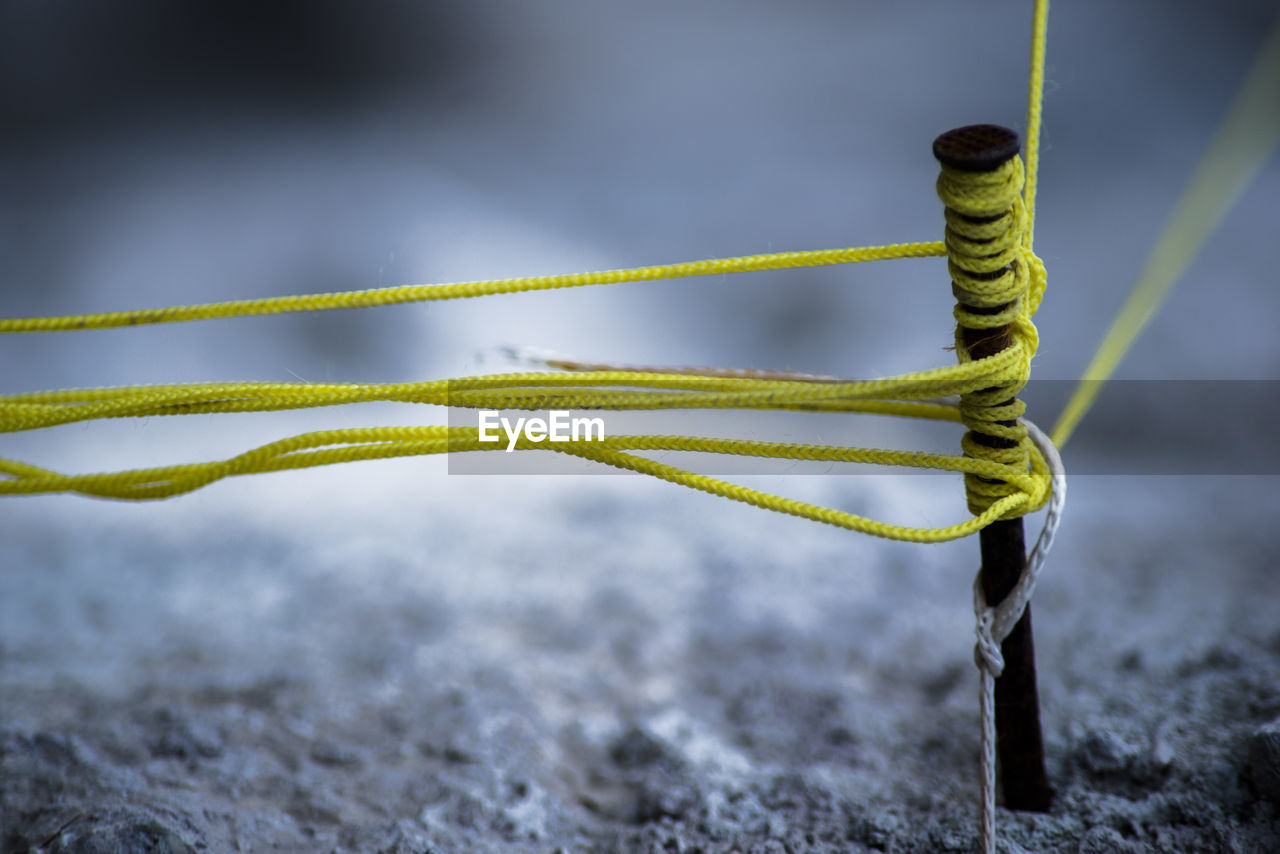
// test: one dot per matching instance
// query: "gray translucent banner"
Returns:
(1136, 427)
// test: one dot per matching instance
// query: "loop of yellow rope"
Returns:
(992, 267)
(910, 395)
(906, 396)
(338, 446)
(582, 390)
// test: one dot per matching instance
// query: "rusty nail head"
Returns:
(976, 148)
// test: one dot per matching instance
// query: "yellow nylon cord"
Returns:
(338, 446)
(986, 237)
(1035, 101)
(911, 395)
(1242, 144)
(502, 391)
(1249, 132)
(462, 290)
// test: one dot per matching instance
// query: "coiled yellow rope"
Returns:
(1000, 483)
(329, 447)
(913, 395)
(910, 395)
(992, 269)
(1251, 126)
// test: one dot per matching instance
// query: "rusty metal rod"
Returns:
(1019, 739)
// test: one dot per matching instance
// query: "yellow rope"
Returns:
(462, 290)
(1248, 135)
(504, 391)
(977, 381)
(1250, 131)
(1035, 108)
(338, 446)
(991, 268)
(911, 395)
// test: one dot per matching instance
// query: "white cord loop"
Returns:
(995, 623)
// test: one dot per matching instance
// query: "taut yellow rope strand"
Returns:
(1249, 135)
(463, 290)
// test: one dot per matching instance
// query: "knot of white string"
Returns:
(994, 623)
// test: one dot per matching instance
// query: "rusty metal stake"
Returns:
(1019, 740)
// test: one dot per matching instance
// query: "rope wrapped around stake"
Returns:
(997, 282)
(991, 271)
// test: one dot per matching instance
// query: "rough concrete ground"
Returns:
(648, 673)
(386, 658)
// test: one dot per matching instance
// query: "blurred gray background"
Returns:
(162, 154)
(170, 153)
(157, 153)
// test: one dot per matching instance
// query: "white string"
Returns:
(995, 623)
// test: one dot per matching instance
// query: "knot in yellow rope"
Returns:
(997, 282)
